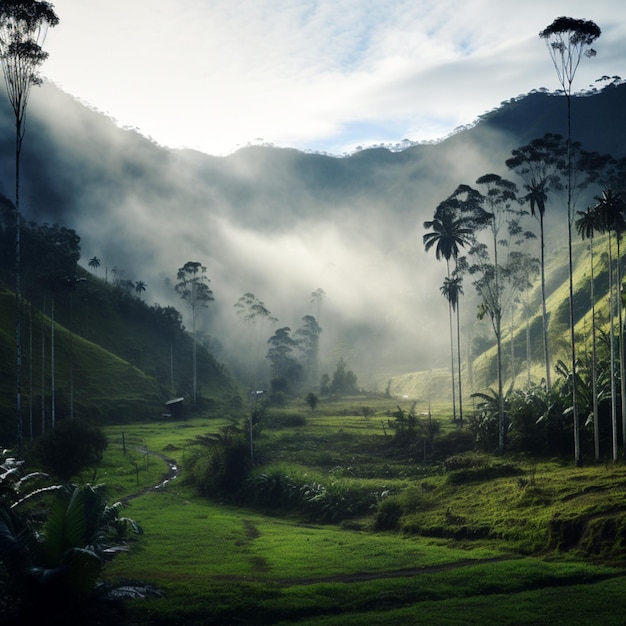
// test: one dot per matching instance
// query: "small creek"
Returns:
(173, 474)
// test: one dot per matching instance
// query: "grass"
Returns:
(219, 563)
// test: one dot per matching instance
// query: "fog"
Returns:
(274, 222)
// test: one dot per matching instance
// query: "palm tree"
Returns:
(568, 40)
(23, 28)
(451, 289)
(586, 225)
(193, 288)
(449, 234)
(140, 287)
(610, 208)
(94, 262)
(537, 197)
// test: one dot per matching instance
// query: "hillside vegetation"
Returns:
(481, 373)
(113, 362)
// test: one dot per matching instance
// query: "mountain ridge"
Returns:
(280, 222)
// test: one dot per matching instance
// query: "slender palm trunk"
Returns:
(577, 457)
(546, 352)
(30, 369)
(497, 321)
(458, 352)
(622, 358)
(528, 346)
(18, 293)
(52, 369)
(498, 328)
(195, 373)
(43, 367)
(594, 361)
(512, 336)
(451, 354)
(612, 357)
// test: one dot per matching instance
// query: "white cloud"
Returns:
(307, 73)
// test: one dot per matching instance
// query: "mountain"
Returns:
(281, 223)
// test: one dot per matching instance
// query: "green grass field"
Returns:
(482, 552)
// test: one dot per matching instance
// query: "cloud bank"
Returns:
(318, 75)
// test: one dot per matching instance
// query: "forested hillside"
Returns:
(111, 357)
(281, 224)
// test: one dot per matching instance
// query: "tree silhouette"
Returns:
(452, 289)
(251, 311)
(94, 262)
(568, 40)
(449, 234)
(610, 208)
(587, 225)
(140, 287)
(538, 164)
(193, 288)
(23, 28)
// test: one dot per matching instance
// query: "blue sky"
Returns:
(323, 75)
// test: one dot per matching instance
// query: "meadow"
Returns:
(494, 541)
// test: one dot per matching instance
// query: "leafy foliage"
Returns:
(54, 563)
(70, 447)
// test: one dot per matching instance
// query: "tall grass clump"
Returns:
(221, 464)
(319, 498)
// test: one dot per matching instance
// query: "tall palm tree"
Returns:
(587, 225)
(449, 234)
(23, 28)
(452, 289)
(568, 40)
(537, 197)
(140, 287)
(94, 262)
(611, 209)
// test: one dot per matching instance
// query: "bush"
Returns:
(312, 400)
(72, 446)
(462, 461)
(222, 467)
(388, 514)
(279, 421)
(454, 442)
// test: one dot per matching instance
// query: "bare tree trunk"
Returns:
(546, 352)
(594, 362)
(52, 370)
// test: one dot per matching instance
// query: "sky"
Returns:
(317, 75)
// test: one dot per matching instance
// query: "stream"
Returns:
(173, 474)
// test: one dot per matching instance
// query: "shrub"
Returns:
(221, 468)
(454, 442)
(69, 448)
(462, 461)
(279, 486)
(388, 514)
(312, 400)
(337, 501)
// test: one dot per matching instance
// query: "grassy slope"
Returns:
(118, 360)
(435, 384)
(105, 386)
